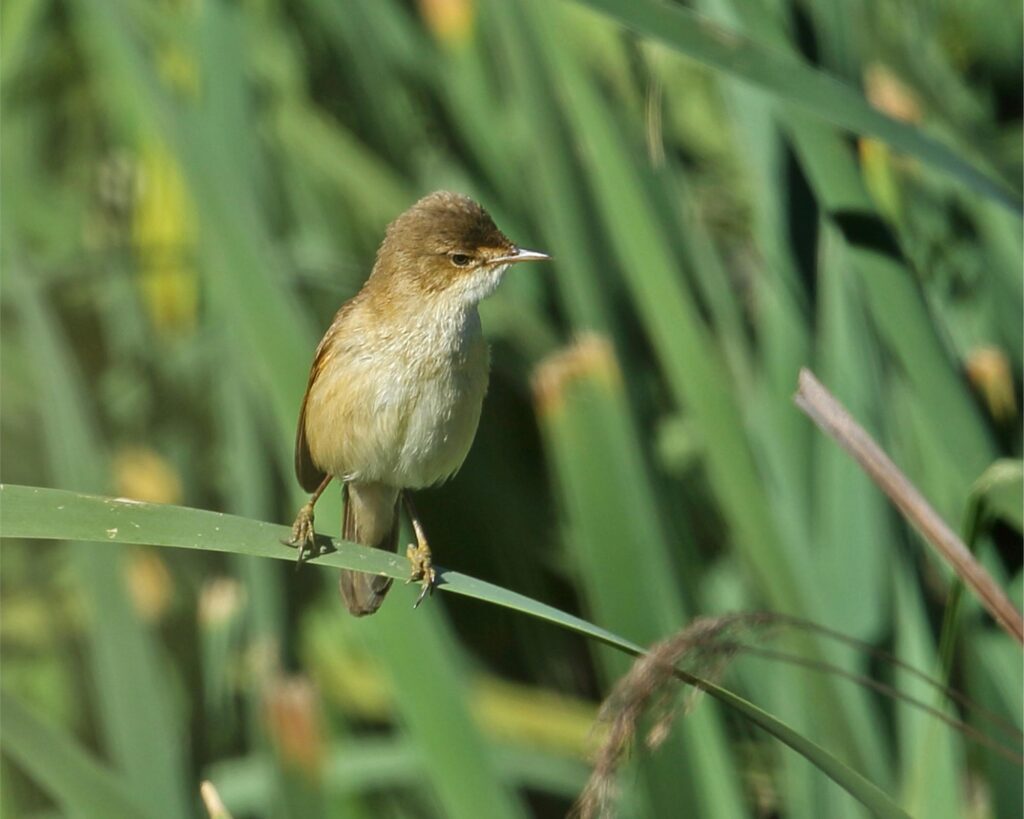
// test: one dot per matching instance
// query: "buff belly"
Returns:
(398, 419)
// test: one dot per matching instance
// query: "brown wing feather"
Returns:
(309, 474)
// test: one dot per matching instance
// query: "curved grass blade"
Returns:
(71, 776)
(788, 78)
(137, 716)
(35, 512)
(455, 754)
(609, 498)
(377, 763)
(994, 496)
(888, 691)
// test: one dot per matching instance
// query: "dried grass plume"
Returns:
(702, 649)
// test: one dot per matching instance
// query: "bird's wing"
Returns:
(309, 474)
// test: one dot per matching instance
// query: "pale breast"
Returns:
(444, 417)
(401, 409)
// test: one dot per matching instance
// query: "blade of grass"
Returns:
(351, 167)
(35, 512)
(21, 18)
(139, 722)
(995, 496)
(850, 516)
(614, 502)
(691, 363)
(994, 672)
(788, 78)
(433, 701)
(233, 242)
(890, 287)
(569, 234)
(371, 764)
(932, 756)
(610, 502)
(76, 780)
(846, 514)
(247, 493)
(391, 120)
(693, 368)
(895, 303)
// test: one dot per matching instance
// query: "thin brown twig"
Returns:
(825, 410)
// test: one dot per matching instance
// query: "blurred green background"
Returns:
(192, 187)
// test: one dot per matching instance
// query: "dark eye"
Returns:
(460, 259)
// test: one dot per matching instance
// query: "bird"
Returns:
(397, 383)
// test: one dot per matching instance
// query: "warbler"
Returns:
(398, 381)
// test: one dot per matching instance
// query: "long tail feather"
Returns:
(371, 518)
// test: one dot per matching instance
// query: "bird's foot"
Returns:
(303, 537)
(422, 564)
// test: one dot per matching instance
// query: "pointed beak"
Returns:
(519, 254)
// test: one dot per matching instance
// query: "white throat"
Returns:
(474, 289)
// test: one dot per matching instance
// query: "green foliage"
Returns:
(730, 192)
(433, 705)
(78, 783)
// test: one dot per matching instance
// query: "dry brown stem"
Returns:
(825, 410)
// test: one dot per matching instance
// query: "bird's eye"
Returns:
(460, 259)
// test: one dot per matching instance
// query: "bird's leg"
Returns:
(419, 555)
(303, 537)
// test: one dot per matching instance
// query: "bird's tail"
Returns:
(371, 518)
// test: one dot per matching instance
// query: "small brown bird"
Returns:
(398, 380)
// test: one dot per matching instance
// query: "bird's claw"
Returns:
(303, 536)
(423, 571)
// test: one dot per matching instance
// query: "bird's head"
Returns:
(447, 246)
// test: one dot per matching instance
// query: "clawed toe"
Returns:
(303, 535)
(423, 571)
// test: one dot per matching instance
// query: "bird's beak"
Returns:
(518, 254)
